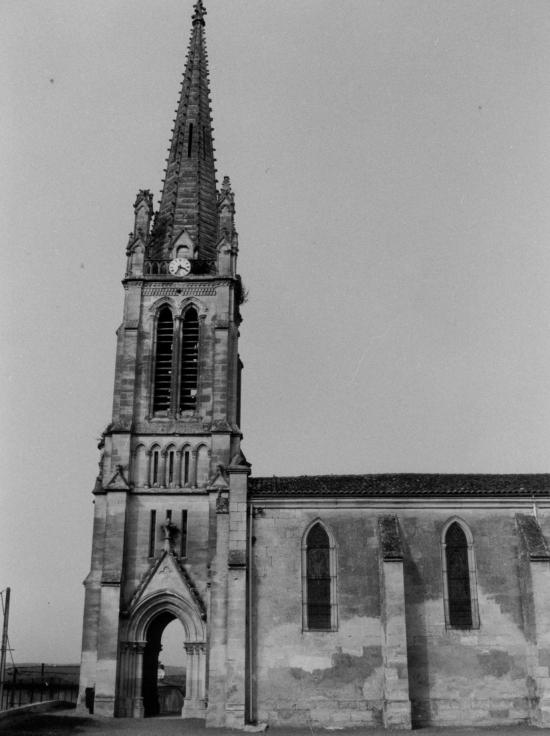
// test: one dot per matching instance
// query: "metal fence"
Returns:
(27, 684)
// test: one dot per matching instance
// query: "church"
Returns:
(400, 601)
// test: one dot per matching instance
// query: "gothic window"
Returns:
(155, 467)
(186, 467)
(163, 361)
(183, 537)
(170, 466)
(189, 359)
(319, 580)
(152, 532)
(459, 574)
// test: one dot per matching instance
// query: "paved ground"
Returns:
(69, 724)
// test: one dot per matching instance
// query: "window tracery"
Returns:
(162, 389)
(319, 589)
(175, 361)
(459, 577)
(189, 370)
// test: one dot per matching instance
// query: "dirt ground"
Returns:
(70, 724)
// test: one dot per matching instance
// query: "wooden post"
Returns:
(4, 645)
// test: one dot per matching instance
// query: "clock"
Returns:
(179, 267)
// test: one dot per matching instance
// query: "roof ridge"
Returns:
(411, 474)
(405, 485)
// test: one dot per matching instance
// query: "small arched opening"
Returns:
(165, 628)
(319, 579)
(164, 663)
(459, 576)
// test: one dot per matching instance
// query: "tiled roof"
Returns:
(402, 484)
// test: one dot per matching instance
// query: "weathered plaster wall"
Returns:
(323, 678)
(465, 676)
(476, 676)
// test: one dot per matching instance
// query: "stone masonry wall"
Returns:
(138, 562)
(476, 676)
(322, 678)
(473, 676)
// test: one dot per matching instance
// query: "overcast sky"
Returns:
(391, 163)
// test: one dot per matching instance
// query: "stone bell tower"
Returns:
(171, 453)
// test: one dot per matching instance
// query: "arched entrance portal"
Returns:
(139, 664)
(164, 672)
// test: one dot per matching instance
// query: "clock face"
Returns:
(179, 267)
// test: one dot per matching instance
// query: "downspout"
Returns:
(249, 596)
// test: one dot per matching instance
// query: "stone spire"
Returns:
(189, 200)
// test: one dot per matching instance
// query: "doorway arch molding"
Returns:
(134, 640)
(167, 601)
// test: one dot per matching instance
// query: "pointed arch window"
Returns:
(163, 361)
(155, 466)
(170, 466)
(459, 577)
(189, 360)
(319, 608)
(186, 467)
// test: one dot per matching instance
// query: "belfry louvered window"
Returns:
(319, 580)
(163, 361)
(461, 610)
(189, 359)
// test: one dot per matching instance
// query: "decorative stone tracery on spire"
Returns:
(189, 199)
(200, 12)
(226, 209)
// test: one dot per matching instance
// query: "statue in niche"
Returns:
(171, 531)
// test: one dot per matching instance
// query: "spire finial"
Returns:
(200, 12)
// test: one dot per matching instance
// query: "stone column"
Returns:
(397, 705)
(218, 618)
(131, 667)
(125, 679)
(535, 594)
(195, 703)
(137, 700)
(236, 594)
(107, 654)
